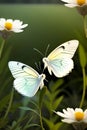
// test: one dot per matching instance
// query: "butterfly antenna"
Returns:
(37, 66)
(40, 65)
(47, 49)
(43, 70)
(39, 52)
(46, 80)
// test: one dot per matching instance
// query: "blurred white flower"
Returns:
(73, 116)
(75, 3)
(12, 25)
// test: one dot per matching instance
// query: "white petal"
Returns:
(9, 20)
(2, 22)
(85, 112)
(67, 116)
(69, 121)
(70, 110)
(2, 19)
(78, 110)
(68, 113)
(1, 28)
(66, 1)
(70, 1)
(85, 116)
(24, 25)
(65, 111)
(61, 114)
(71, 5)
(17, 30)
(17, 26)
(17, 22)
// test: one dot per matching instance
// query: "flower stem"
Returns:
(84, 87)
(2, 46)
(10, 103)
(84, 22)
(41, 120)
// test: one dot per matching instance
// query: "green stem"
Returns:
(84, 87)
(41, 122)
(2, 46)
(10, 103)
(84, 22)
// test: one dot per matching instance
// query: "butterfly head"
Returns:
(43, 76)
(45, 61)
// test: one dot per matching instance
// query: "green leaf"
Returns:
(31, 125)
(57, 102)
(56, 126)
(14, 123)
(56, 85)
(29, 109)
(34, 103)
(52, 99)
(48, 122)
(51, 125)
(15, 126)
(4, 101)
(82, 56)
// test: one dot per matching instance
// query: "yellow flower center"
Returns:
(8, 25)
(81, 2)
(79, 116)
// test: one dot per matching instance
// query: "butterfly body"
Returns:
(59, 61)
(27, 80)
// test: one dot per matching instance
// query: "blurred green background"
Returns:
(47, 24)
(51, 24)
(29, 1)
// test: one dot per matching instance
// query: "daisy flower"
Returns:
(75, 3)
(7, 26)
(73, 116)
(12, 25)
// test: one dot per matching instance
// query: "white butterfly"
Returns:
(27, 80)
(59, 61)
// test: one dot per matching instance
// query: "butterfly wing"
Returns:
(61, 67)
(27, 86)
(19, 70)
(59, 60)
(27, 80)
(65, 50)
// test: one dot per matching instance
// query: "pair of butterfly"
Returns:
(59, 62)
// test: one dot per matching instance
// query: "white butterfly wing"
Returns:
(65, 50)
(61, 67)
(19, 69)
(27, 86)
(27, 80)
(59, 60)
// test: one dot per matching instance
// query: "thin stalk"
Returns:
(84, 22)
(10, 103)
(2, 46)
(84, 87)
(41, 122)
